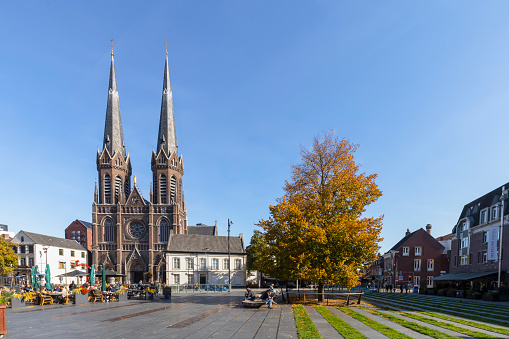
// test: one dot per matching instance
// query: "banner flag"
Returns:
(492, 243)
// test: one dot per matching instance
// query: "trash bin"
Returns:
(416, 289)
(167, 292)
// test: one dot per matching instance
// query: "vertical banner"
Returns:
(492, 243)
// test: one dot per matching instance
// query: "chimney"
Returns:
(407, 232)
(428, 228)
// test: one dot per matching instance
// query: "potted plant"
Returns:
(17, 300)
(121, 294)
(149, 293)
(79, 297)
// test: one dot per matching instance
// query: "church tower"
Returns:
(130, 233)
(167, 195)
(114, 177)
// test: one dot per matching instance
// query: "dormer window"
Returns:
(484, 216)
(494, 213)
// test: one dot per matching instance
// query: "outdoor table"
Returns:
(107, 295)
(54, 295)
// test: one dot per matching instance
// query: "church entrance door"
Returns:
(136, 276)
(136, 272)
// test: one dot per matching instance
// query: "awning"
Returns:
(465, 276)
(74, 273)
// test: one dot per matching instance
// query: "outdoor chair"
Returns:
(44, 299)
(97, 296)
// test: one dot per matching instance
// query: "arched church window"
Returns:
(109, 230)
(164, 230)
(162, 184)
(173, 188)
(107, 188)
(118, 187)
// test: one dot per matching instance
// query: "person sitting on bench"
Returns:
(267, 296)
(249, 295)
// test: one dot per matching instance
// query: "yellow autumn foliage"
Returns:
(316, 231)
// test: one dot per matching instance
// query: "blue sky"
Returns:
(422, 87)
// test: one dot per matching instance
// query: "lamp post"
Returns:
(503, 197)
(229, 265)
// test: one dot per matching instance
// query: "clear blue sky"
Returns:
(422, 87)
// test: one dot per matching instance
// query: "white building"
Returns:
(62, 255)
(203, 259)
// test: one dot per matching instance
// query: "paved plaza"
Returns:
(219, 315)
(193, 315)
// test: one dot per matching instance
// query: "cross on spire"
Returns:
(166, 43)
(111, 44)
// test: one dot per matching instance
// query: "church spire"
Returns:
(113, 133)
(167, 137)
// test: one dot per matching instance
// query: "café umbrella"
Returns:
(92, 276)
(49, 287)
(103, 285)
(35, 278)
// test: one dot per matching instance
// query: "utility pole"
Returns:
(229, 265)
(502, 199)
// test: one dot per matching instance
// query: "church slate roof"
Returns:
(472, 209)
(167, 137)
(113, 132)
(202, 230)
(195, 243)
(54, 241)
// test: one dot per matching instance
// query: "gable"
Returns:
(135, 198)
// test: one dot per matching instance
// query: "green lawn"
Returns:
(305, 326)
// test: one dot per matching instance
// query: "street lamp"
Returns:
(503, 197)
(229, 265)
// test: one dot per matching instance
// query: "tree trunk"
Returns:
(320, 290)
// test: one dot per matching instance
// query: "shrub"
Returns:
(432, 292)
(451, 292)
(490, 296)
(442, 292)
(423, 290)
(503, 290)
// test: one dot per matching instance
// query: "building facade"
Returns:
(470, 240)
(35, 249)
(81, 231)
(130, 232)
(415, 260)
(203, 259)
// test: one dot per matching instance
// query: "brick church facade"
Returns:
(129, 232)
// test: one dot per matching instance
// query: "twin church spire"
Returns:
(113, 163)
(113, 132)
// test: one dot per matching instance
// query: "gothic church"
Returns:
(129, 233)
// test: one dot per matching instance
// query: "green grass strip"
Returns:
(469, 315)
(385, 330)
(342, 327)
(448, 326)
(305, 326)
(413, 326)
(467, 322)
(497, 310)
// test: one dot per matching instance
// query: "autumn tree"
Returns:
(254, 251)
(317, 231)
(8, 259)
